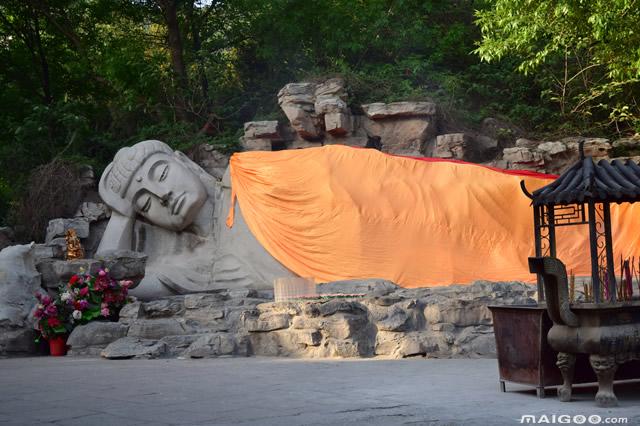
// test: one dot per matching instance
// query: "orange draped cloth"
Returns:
(337, 212)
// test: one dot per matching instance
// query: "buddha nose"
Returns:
(163, 194)
(166, 198)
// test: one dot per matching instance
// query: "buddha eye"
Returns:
(147, 205)
(165, 172)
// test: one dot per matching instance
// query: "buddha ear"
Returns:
(111, 196)
(118, 235)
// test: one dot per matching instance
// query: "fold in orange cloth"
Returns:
(337, 212)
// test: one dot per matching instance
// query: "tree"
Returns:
(588, 51)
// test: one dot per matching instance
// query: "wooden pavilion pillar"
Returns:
(594, 235)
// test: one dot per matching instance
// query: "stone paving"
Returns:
(275, 391)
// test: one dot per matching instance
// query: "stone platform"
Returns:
(266, 391)
(386, 321)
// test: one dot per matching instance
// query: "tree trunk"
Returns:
(44, 64)
(194, 24)
(174, 42)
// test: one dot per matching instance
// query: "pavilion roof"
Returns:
(604, 181)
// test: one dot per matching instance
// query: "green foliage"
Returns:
(587, 53)
(81, 79)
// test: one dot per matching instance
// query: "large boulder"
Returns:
(297, 102)
(132, 347)
(91, 338)
(403, 128)
(379, 110)
(19, 281)
(58, 227)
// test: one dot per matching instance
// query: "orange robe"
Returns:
(337, 212)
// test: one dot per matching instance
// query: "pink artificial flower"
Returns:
(104, 312)
(84, 291)
(51, 310)
(46, 300)
(102, 273)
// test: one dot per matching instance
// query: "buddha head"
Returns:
(151, 180)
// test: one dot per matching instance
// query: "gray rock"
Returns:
(212, 161)
(338, 305)
(331, 87)
(374, 286)
(297, 102)
(630, 145)
(337, 123)
(401, 345)
(177, 345)
(521, 158)
(130, 312)
(267, 322)
(195, 301)
(402, 135)
(526, 143)
(93, 211)
(396, 320)
(347, 348)
(96, 333)
(380, 110)
(261, 130)
(124, 264)
(43, 251)
(388, 300)
(56, 272)
(156, 328)
(132, 347)
(250, 144)
(308, 337)
(58, 227)
(163, 308)
(452, 145)
(17, 340)
(19, 281)
(212, 345)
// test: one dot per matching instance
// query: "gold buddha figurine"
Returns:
(74, 248)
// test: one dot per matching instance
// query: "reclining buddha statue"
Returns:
(166, 206)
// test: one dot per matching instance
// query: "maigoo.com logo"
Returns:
(578, 419)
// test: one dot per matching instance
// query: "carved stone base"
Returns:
(566, 363)
(605, 368)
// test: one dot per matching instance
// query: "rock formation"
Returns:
(19, 281)
(386, 321)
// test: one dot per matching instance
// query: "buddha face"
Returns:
(165, 192)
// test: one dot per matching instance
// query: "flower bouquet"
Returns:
(52, 323)
(89, 297)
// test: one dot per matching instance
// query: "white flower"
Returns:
(65, 296)
(76, 314)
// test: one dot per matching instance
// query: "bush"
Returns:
(53, 191)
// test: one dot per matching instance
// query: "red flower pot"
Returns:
(58, 346)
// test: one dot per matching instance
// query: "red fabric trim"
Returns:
(527, 173)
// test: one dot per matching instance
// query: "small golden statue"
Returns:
(74, 248)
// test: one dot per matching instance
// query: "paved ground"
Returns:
(266, 391)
